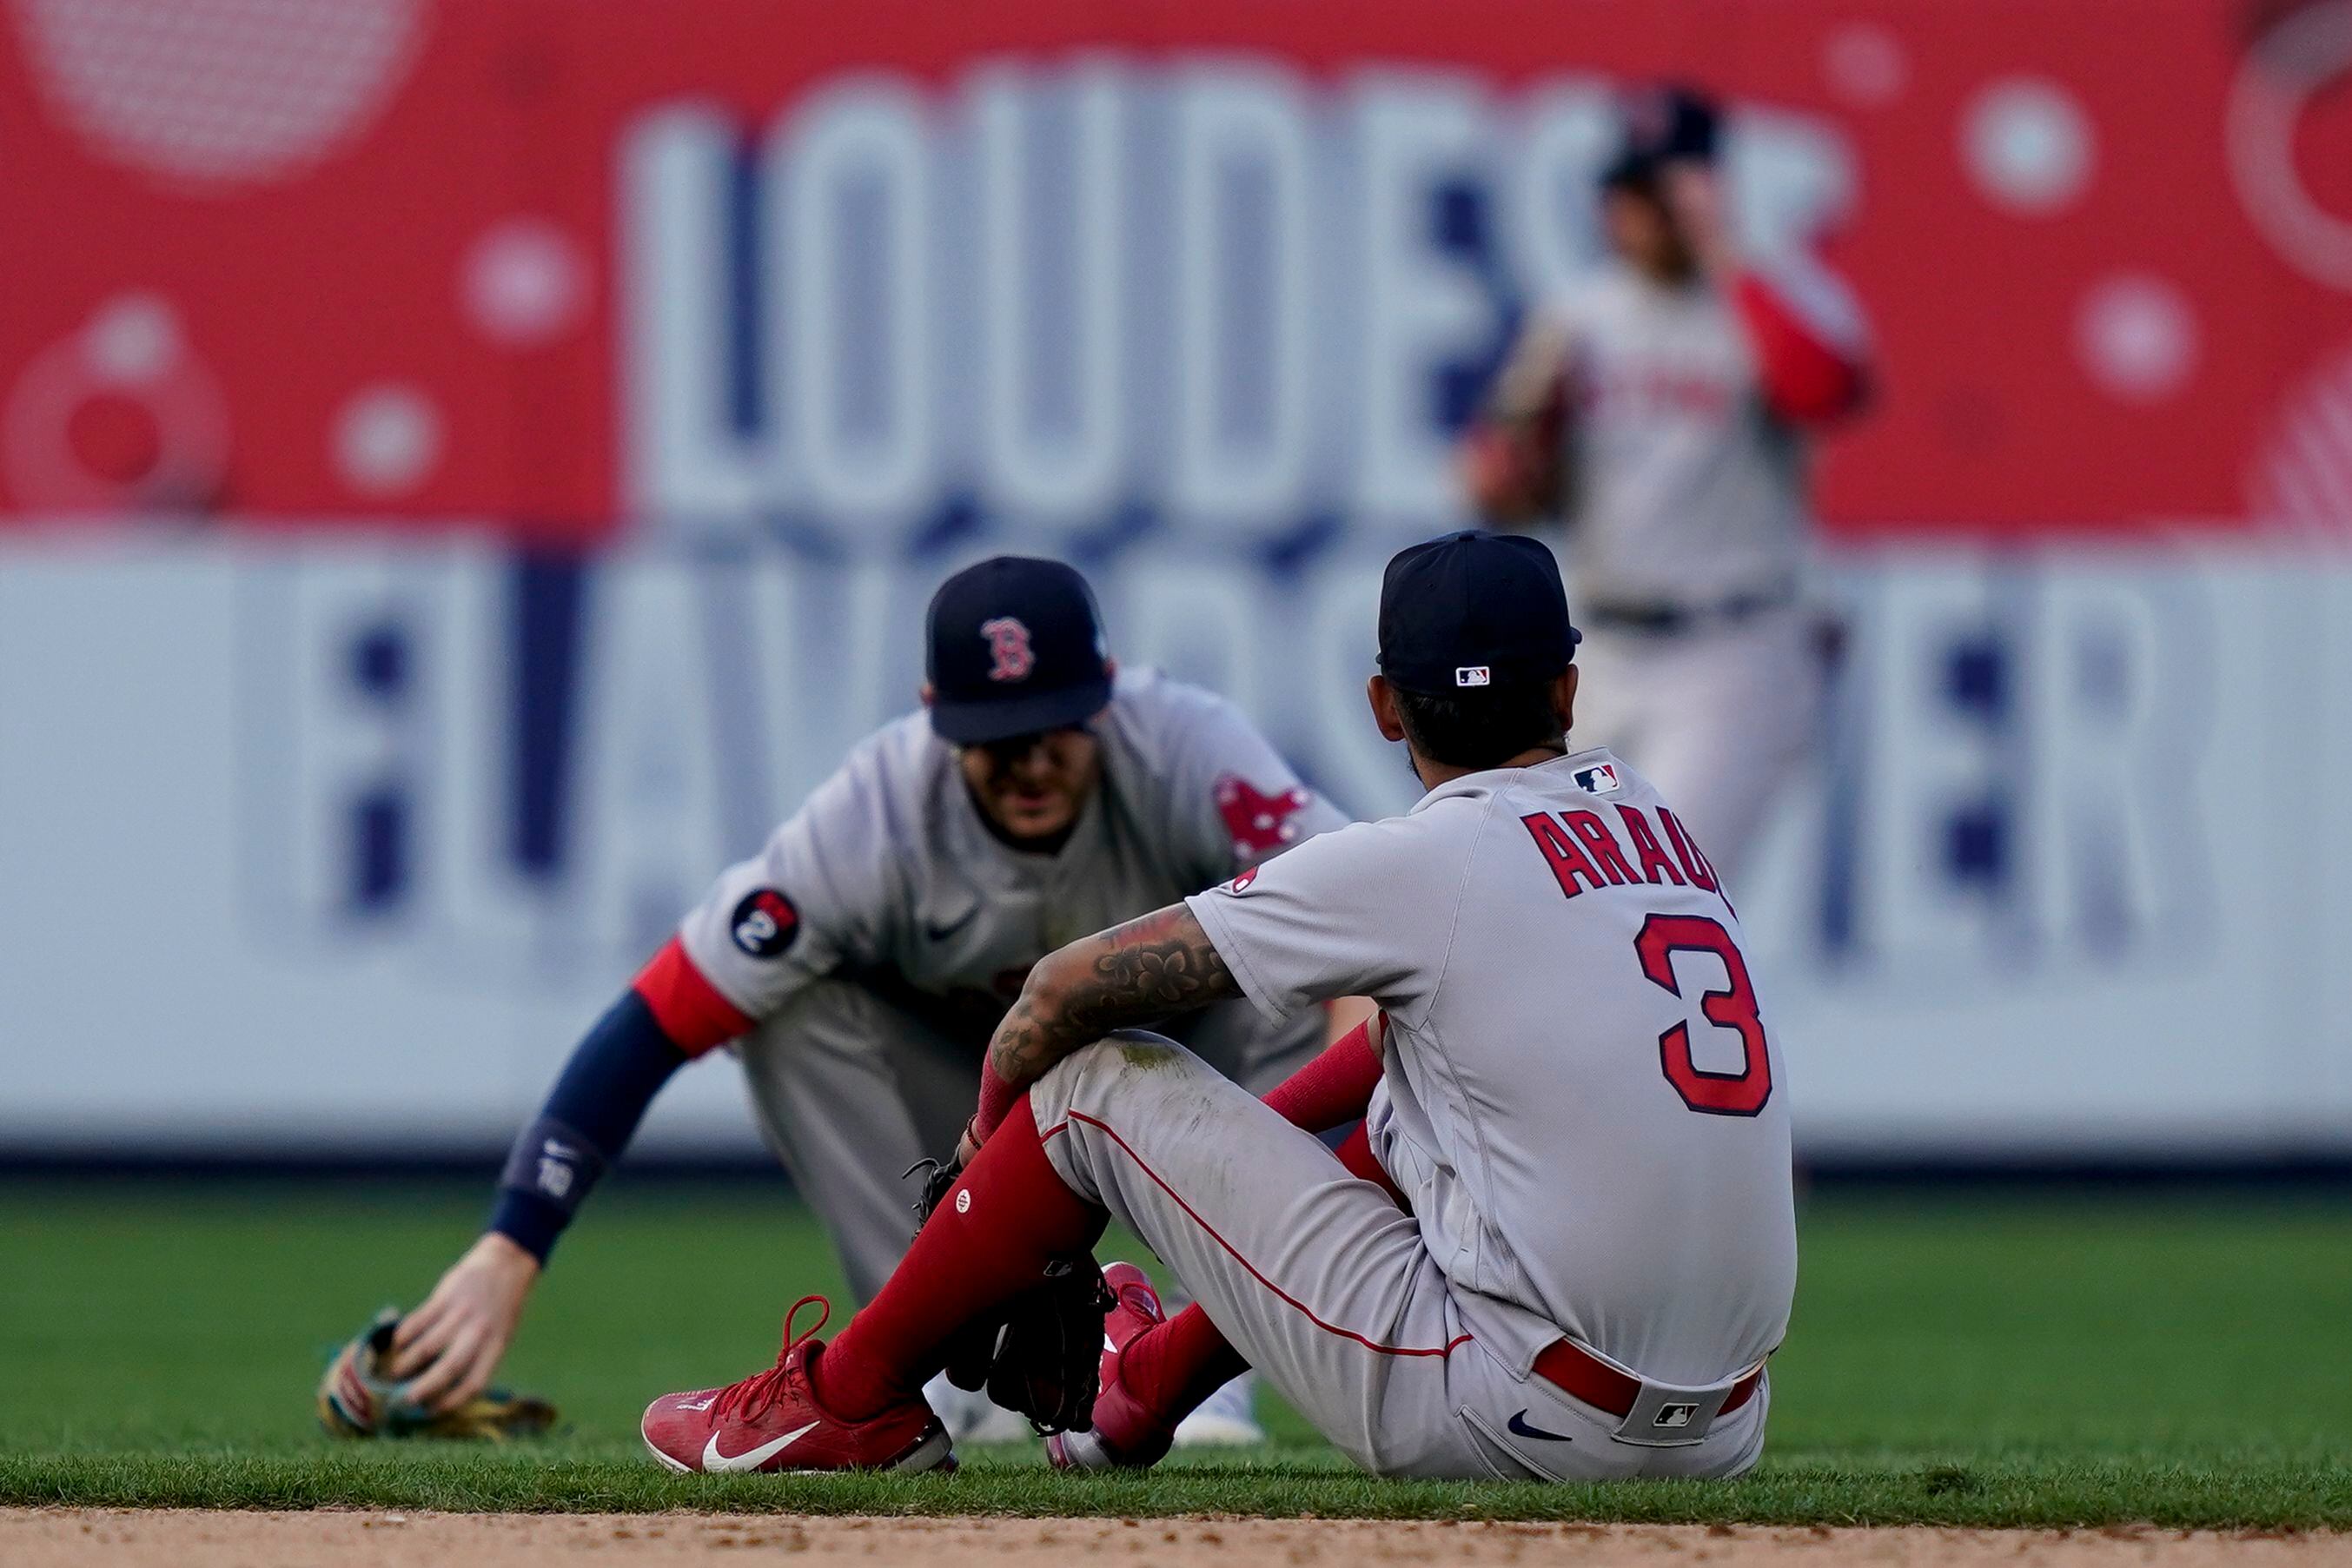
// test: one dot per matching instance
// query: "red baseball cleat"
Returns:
(771, 1421)
(1125, 1435)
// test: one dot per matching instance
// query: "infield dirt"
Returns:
(72, 1538)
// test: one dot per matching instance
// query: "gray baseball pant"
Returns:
(1322, 1283)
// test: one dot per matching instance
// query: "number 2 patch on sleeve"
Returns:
(764, 923)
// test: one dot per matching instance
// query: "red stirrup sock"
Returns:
(1174, 1366)
(1334, 1086)
(969, 1258)
(1355, 1151)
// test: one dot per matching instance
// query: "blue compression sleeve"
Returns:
(588, 1119)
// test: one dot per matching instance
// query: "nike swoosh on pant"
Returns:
(1518, 1424)
(750, 1458)
(938, 932)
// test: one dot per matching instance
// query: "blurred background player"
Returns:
(1656, 409)
(864, 956)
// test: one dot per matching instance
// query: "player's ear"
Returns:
(1110, 668)
(927, 693)
(1382, 696)
(1564, 699)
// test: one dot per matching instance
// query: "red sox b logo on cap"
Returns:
(1008, 645)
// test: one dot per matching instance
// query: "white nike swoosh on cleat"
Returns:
(715, 1462)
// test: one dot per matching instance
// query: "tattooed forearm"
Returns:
(1163, 963)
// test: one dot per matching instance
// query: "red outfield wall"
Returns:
(377, 262)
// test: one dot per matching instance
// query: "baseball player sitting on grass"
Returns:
(863, 956)
(1562, 1246)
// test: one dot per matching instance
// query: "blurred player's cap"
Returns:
(1664, 124)
(1016, 647)
(1470, 610)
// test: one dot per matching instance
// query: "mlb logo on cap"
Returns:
(1469, 610)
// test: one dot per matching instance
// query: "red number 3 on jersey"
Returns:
(1740, 1093)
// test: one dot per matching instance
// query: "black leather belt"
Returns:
(1660, 619)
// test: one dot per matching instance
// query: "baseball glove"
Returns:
(1041, 1353)
(358, 1399)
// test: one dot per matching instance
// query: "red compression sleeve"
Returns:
(1807, 379)
(1333, 1088)
(996, 1097)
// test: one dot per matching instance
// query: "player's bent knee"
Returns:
(1119, 1052)
(1123, 1077)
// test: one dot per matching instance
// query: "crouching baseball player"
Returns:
(864, 956)
(1567, 1244)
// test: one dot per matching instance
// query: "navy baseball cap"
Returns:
(1470, 610)
(1664, 125)
(1016, 647)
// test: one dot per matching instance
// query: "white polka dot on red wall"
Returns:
(2027, 146)
(2136, 337)
(385, 440)
(1866, 64)
(523, 282)
(217, 93)
(133, 339)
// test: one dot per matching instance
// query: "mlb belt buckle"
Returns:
(1665, 1416)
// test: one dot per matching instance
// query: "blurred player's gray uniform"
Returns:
(883, 931)
(1687, 531)
(1578, 1101)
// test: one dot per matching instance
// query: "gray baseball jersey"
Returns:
(1581, 1098)
(1686, 489)
(889, 875)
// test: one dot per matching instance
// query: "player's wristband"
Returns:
(548, 1174)
(996, 1097)
(587, 1120)
(529, 1221)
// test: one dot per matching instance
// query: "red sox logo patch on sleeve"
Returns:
(1008, 645)
(764, 923)
(1258, 824)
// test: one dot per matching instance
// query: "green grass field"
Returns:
(1979, 1362)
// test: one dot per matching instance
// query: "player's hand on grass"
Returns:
(447, 1349)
